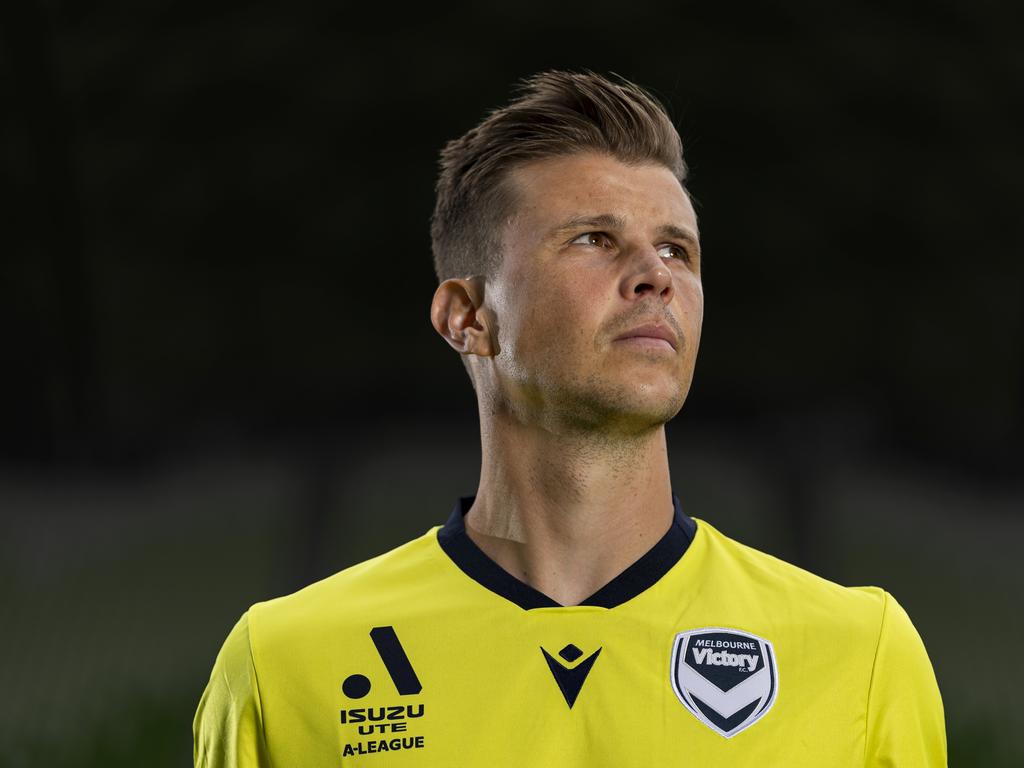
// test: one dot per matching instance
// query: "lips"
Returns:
(652, 331)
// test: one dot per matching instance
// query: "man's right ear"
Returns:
(458, 314)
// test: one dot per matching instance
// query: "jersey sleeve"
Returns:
(905, 720)
(227, 731)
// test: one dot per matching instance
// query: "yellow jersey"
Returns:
(704, 652)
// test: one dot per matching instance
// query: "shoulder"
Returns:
(855, 643)
(787, 593)
(361, 593)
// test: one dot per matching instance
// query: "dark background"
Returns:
(220, 382)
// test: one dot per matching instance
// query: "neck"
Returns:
(566, 513)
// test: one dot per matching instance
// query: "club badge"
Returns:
(727, 678)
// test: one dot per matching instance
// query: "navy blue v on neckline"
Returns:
(638, 577)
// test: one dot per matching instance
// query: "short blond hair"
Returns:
(556, 113)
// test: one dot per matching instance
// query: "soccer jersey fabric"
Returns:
(704, 652)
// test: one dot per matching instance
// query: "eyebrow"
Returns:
(611, 221)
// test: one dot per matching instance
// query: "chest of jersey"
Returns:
(581, 686)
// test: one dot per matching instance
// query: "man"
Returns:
(571, 613)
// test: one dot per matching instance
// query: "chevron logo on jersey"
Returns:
(727, 678)
(570, 679)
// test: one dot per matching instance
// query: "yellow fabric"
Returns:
(228, 726)
(897, 723)
(855, 686)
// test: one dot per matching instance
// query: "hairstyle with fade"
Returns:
(555, 113)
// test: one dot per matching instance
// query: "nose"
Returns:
(647, 275)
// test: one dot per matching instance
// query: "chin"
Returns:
(662, 403)
(646, 409)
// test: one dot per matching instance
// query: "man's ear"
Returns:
(458, 314)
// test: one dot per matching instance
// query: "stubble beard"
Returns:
(589, 407)
(612, 410)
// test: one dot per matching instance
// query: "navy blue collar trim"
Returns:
(638, 577)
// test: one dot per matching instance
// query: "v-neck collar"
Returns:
(641, 575)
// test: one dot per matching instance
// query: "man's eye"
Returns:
(598, 239)
(674, 251)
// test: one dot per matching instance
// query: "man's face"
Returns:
(595, 249)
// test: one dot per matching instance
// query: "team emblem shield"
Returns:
(727, 678)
